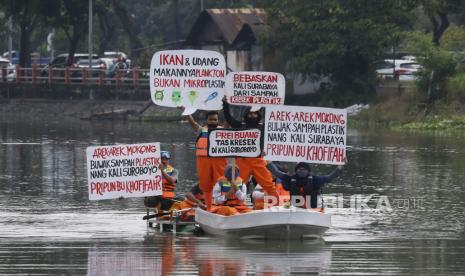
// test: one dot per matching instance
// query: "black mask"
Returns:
(252, 122)
(302, 173)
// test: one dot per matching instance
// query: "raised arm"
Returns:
(228, 117)
(191, 120)
(275, 171)
(196, 126)
(320, 180)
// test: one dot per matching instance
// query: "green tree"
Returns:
(442, 72)
(337, 38)
(130, 30)
(25, 14)
(438, 12)
(107, 24)
(71, 16)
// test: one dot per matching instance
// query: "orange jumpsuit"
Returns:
(257, 167)
(209, 169)
(190, 215)
(232, 205)
(168, 189)
(251, 166)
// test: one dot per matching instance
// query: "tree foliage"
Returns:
(442, 64)
(438, 12)
(337, 38)
(70, 16)
(26, 15)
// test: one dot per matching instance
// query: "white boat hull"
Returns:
(272, 223)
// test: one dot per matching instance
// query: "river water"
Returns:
(401, 209)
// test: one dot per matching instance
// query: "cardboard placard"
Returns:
(234, 142)
(189, 78)
(305, 134)
(124, 171)
(255, 88)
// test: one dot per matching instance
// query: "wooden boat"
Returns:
(277, 222)
(169, 221)
(171, 226)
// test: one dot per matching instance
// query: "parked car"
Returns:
(61, 62)
(4, 63)
(114, 55)
(403, 69)
(36, 58)
(104, 64)
(118, 56)
(14, 56)
(408, 70)
(409, 57)
(8, 71)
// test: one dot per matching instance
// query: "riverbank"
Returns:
(394, 112)
(49, 109)
(407, 111)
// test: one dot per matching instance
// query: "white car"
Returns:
(407, 71)
(116, 56)
(105, 64)
(7, 70)
(399, 68)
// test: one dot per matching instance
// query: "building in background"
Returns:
(234, 33)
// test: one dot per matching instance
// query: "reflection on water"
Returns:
(48, 225)
(181, 255)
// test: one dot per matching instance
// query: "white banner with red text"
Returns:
(255, 88)
(194, 79)
(124, 171)
(305, 134)
(234, 142)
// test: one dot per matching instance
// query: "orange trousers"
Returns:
(209, 170)
(189, 215)
(257, 167)
(229, 210)
(284, 196)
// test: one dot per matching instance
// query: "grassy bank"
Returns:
(408, 111)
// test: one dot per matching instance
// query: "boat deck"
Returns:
(172, 223)
(162, 224)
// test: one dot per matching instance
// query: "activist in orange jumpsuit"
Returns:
(169, 174)
(208, 169)
(251, 166)
(228, 195)
(166, 201)
(194, 198)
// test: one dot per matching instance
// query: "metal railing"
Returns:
(134, 77)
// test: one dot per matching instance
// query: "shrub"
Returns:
(438, 64)
(456, 87)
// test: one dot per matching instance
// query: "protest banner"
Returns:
(124, 171)
(234, 143)
(305, 134)
(255, 88)
(194, 79)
